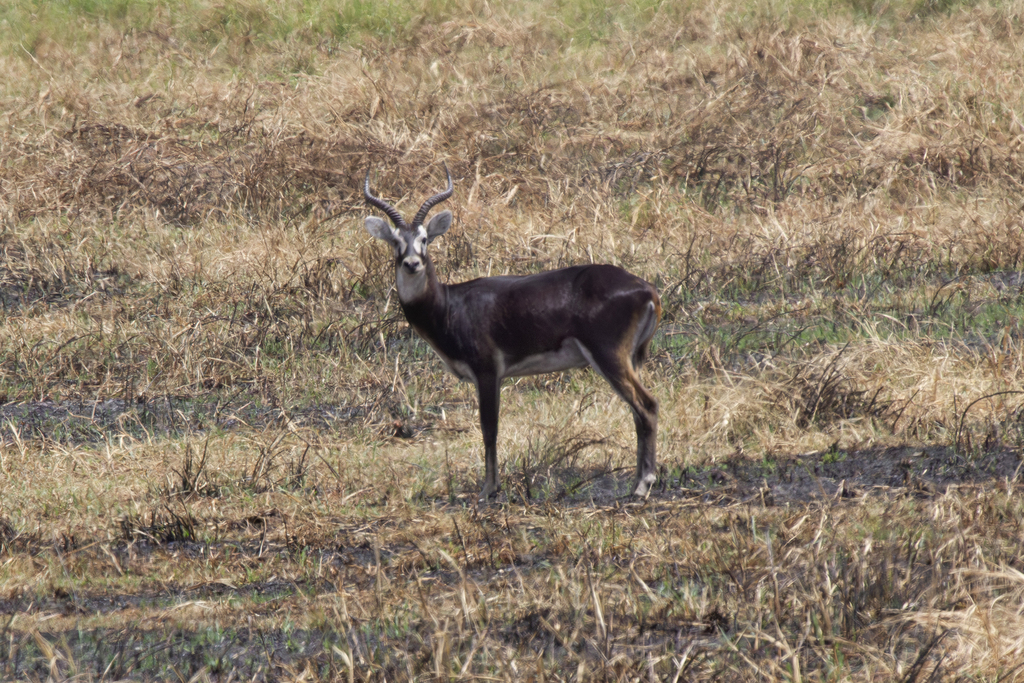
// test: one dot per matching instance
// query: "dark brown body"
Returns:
(491, 328)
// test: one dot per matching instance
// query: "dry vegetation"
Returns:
(224, 456)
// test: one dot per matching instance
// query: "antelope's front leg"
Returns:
(489, 395)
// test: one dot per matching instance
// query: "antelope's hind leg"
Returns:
(645, 417)
(618, 369)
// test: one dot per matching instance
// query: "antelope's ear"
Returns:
(379, 228)
(438, 225)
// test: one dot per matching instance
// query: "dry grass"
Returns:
(224, 456)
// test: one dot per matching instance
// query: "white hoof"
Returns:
(643, 486)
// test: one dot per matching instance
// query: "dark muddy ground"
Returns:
(896, 470)
(90, 421)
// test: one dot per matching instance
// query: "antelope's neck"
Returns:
(423, 297)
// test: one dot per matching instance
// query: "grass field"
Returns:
(224, 455)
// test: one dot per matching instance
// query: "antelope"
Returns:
(491, 328)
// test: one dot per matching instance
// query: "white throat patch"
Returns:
(411, 286)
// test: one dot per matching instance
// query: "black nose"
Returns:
(412, 266)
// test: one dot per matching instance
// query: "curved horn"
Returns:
(391, 211)
(435, 200)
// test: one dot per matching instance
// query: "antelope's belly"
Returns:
(569, 355)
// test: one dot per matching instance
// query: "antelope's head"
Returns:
(409, 240)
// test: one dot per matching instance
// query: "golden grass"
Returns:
(224, 456)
